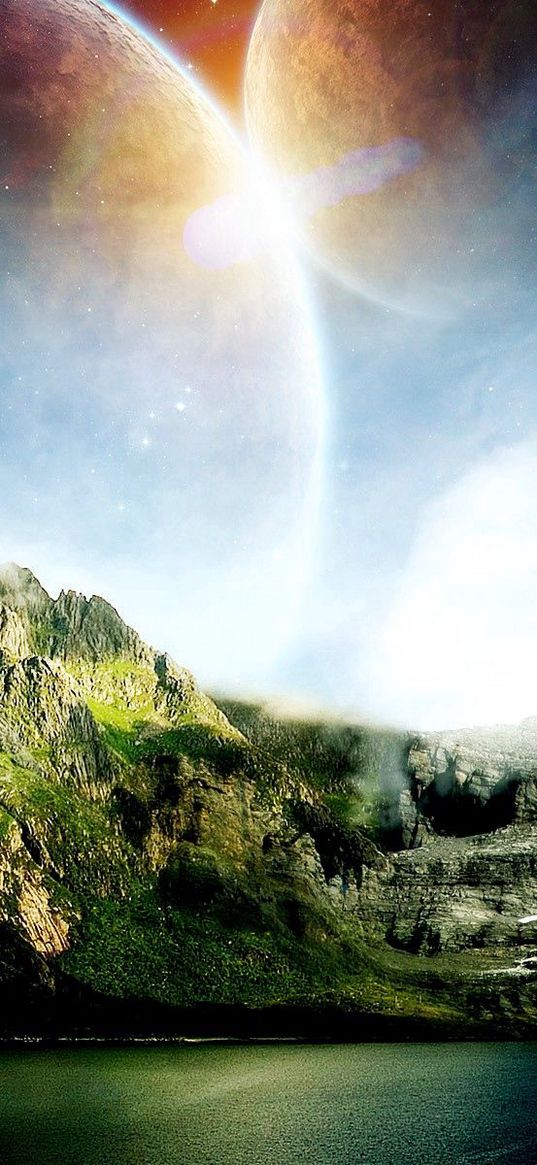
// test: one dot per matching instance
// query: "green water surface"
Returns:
(390, 1104)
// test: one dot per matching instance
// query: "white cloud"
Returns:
(459, 645)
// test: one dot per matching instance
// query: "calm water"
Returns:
(213, 1105)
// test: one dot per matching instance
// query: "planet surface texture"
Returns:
(459, 81)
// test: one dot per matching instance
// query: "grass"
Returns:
(7, 823)
(143, 948)
(344, 767)
(133, 736)
(354, 810)
(111, 673)
(120, 727)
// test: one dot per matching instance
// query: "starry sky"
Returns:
(274, 395)
(212, 35)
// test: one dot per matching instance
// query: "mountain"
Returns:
(172, 864)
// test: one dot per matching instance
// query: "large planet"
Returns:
(161, 422)
(328, 78)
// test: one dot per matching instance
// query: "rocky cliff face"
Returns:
(475, 781)
(13, 639)
(459, 894)
(155, 847)
(466, 814)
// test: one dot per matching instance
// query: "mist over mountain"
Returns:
(169, 863)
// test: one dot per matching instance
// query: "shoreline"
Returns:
(57, 1042)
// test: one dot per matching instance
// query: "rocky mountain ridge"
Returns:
(160, 851)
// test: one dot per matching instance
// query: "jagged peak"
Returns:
(70, 626)
(78, 599)
(19, 583)
(93, 629)
(12, 569)
(88, 632)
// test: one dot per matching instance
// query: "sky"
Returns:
(211, 35)
(272, 391)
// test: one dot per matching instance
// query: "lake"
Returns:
(213, 1104)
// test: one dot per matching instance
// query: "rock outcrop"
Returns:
(459, 894)
(26, 904)
(476, 780)
(13, 639)
(44, 717)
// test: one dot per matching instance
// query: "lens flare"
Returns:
(233, 228)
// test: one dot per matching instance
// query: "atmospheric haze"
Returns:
(425, 614)
(362, 535)
(162, 426)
